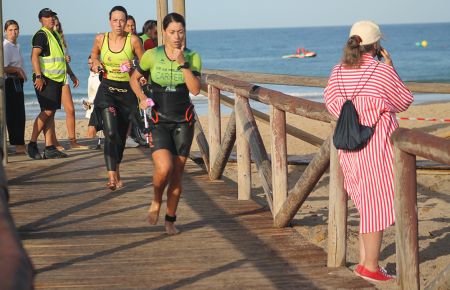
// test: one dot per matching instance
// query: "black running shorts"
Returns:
(175, 137)
(50, 96)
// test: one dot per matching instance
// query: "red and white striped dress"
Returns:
(368, 173)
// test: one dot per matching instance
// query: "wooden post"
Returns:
(229, 138)
(337, 213)
(243, 157)
(202, 143)
(179, 7)
(162, 11)
(3, 144)
(406, 224)
(214, 123)
(279, 158)
(303, 187)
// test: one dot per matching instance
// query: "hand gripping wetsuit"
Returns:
(115, 100)
(172, 125)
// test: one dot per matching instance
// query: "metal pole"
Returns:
(162, 10)
(4, 146)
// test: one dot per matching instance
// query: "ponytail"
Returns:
(353, 52)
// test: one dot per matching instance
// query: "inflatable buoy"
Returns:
(422, 43)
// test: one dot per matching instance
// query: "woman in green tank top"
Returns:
(113, 52)
(174, 73)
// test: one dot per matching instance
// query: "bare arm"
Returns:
(38, 82)
(136, 87)
(16, 70)
(95, 52)
(192, 81)
(73, 77)
(137, 46)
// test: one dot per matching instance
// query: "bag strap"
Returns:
(356, 91)
(354, 95)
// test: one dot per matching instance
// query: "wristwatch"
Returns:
(38, 76)
(184, 65)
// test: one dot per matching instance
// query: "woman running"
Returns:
(113, 52)
(174, 73)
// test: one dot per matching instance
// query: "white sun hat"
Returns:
(368, 30)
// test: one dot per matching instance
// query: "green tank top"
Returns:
(112, 60)
(165, 72)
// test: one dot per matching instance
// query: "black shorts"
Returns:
(175, 137)
(50, 96)
(116, 94)
(96, 119)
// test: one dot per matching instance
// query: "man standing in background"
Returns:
(49, 75)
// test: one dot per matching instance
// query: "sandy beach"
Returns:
(311, 220)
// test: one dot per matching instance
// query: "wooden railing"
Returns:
(243, 131)
(407, 145)
(16, 271)
(285, 203)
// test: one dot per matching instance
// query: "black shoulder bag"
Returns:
(349, 134)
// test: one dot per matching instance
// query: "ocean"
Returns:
(261, 50)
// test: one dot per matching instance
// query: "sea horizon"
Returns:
(260, 50)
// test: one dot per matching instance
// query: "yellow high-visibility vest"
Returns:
(54, 66)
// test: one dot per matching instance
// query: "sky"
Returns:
(91, 16)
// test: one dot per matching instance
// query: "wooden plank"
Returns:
(73, 227)
(223, 156)
(441, 281)
(281, 79)
(162, 10)
(287, 103)
(301, 190)
(279, 158)
(291, 130)
(257, 149)
(406, 222)
(337, 213)
(214, 123)
(243, 157)
(16, 270)
(199, 136)
(422, 144)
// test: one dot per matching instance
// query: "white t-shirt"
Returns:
(93, 83)
(11, 54)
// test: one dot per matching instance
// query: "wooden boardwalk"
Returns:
(80, 235)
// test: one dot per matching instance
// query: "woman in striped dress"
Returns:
(378, 94)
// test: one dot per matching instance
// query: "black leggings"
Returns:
(115, 127)
(117, 105)
(15, 112)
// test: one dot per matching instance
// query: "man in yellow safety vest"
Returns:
(50, 70)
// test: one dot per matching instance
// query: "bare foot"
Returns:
(111, 185)
(60, 148)
(153, 213)
(119, 184)
(171, 229)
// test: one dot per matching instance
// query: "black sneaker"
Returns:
(54, 153)
(33, 151)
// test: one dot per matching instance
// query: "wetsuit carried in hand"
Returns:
(172, 127)
(116, 101)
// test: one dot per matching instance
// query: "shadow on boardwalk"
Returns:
(81, 235)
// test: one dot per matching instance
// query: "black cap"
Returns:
(46, 12)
